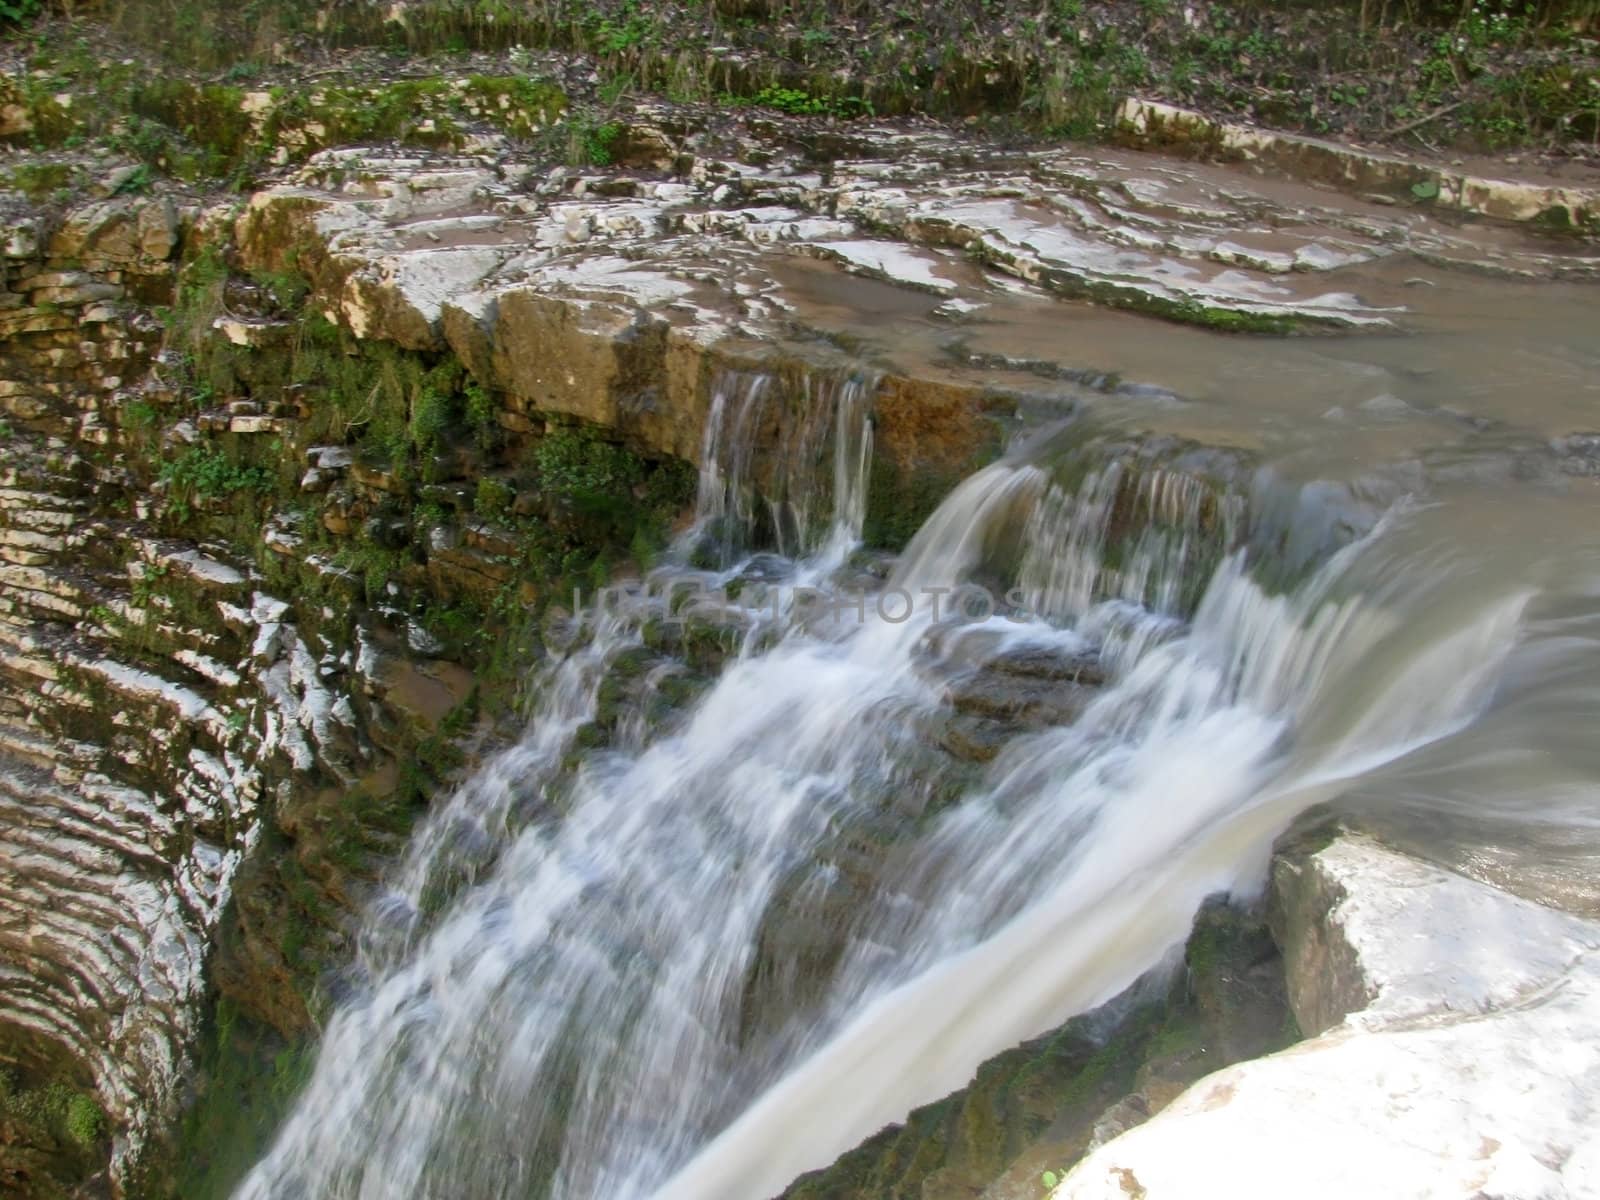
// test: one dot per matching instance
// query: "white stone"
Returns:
(1474, 1071)
(890, 261)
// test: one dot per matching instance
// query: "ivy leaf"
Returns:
(1428, 189)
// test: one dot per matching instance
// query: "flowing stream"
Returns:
(774, 910)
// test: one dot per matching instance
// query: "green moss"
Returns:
(83, 1120)
(249, 1074)
(515, 104)
(899, 501)
(493, 499)
(901, 496)
(58, 1120)
(215, 136)
(39, 181)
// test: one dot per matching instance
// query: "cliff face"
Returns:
(127, 806)
(159, 697)
(271, 552)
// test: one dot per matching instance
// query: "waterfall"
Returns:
(710, 955)
(739, 496)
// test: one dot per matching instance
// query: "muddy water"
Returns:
(1478, 404)
(1473, 353)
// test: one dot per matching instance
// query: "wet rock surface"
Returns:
(1570, 206)
(621, 267)
(1413, 985)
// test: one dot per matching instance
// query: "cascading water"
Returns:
(705, 959)
(731, 501)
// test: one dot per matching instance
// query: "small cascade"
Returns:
(884, 839)
(464, 836)
(1131, 528)
(768, 476)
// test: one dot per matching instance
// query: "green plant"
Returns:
(481, 416)
(137, 181)
(800, 103)
(195, 307)
(17, 11)
(431, 418)
(577, 466)
(140, 416)
(202, 473)
(590, 140)
(147, 586)
(493, 499)
(372, 564)
(39, 181)
(612, 90)
(627, 30)
(288, 289)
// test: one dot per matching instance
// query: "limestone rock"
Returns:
(1460, 1052)
(1360, 170)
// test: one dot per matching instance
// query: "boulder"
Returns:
(1457, 1055)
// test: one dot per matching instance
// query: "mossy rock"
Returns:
(54, 1137)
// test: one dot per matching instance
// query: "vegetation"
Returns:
(194, 129)
(15, 12)
(57, 1128)
(249, 1074)
(56, 1107)
(590, 139)
(549, 510)
(202, 473)
(40, 182)
(1486, 73)
(802, 103)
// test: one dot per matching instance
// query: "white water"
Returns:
(704, 963)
